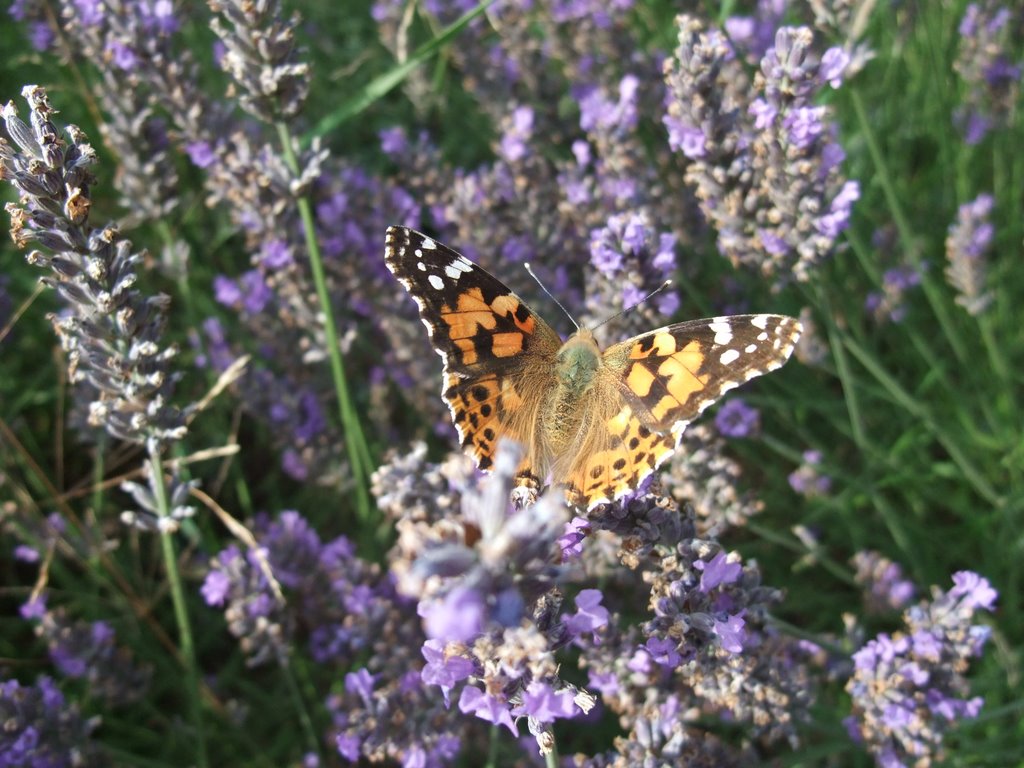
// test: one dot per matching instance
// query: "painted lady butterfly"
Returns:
(597, 422)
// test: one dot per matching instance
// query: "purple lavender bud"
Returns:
(833, 65)
(717, 571)
(473, 701)
(41, 730)
(737, 419)
(514, 143)
(459, 616)
(393, 141)
(571, 542)
(543, 704)
(731, 633)
(590, 616)
(885, 587)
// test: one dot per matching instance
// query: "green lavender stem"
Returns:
(187, 646)
(355, 442)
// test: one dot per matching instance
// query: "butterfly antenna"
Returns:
(633, 306)
(550, 295)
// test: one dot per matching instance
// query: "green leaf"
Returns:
(383, 84)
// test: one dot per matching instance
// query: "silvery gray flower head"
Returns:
(261, 56)
(967, 247)
(147, 515)
(705, 479)
(111, 332)
(122, 35)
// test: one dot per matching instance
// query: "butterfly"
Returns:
(596, 422)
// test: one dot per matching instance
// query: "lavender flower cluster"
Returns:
(766, 169)
(991, 79)
(908, 688)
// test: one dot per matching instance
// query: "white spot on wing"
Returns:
(452, 272)
(436, 282)
(750, 348)
(430, 245)
(759, 321)
(723, 332)
(421, 266)
(762, 336)
(730, 356)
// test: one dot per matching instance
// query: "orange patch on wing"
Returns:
(662, 345)
(509, 305)
(511, 398)
(639, 380)
(619, 423)
(506, 344)
(679, 372)
(664, 407)
(610, 474)
(468, 350)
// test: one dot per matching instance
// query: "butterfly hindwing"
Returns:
(629, 452)
(670, 375)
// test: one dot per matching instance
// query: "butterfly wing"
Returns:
(660, 382)
(497, 353)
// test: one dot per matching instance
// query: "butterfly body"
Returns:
(596, 422)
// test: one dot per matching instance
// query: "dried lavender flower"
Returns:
(967, 246)
(908, 689)
(112, 333)
(260, 55)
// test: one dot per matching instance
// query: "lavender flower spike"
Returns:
(967, 245)
(908, 689)
(112, 333)
(261, 57)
